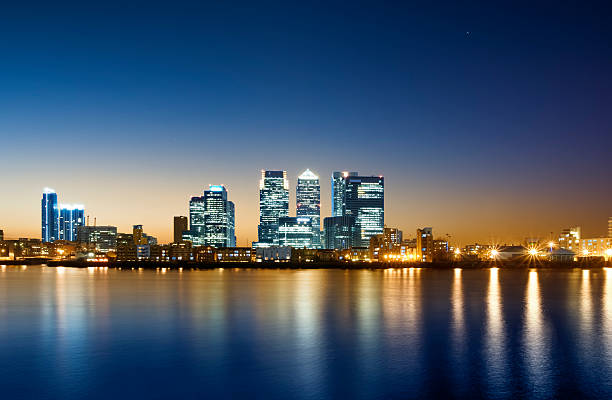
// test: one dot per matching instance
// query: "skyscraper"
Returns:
(196, 221)
(339, 232)
(218, 218)
(71, 217)
(337, 193)
(273, 204)
(296, 232)
(50, 216)
(180, 226)
(364, 199)
(212, 219)
(308, 196)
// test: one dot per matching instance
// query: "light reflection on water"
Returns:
(401, 333)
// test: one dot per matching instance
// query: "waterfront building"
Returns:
(71, 216)
(570, 239)
(308, 203)
(50, 216)
(180, 226)
(364, 199)
(273, 204)
(103, 237)
(296, 232)
(337, 191)
(339, 232)
(138, 235)
(235, 254)
(424, 244)
(273, 253)
(595, 247)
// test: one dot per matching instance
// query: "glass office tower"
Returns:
(308, 196)
(339, 232)
(273, 204)
(364, 199)
(296, 232)
(337, 193)
(212, 219)
(196, 221)
(71, 217)
(50, 216)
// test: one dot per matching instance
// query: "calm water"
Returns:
(79, 333)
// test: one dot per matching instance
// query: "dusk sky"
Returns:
(489, 122)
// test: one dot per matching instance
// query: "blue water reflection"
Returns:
(305, 334)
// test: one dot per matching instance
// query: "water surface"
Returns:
(305, 334)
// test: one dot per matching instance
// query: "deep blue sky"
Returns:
(499, 133)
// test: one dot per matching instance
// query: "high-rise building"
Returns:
(71, 217)
(104, 237)
(337, 191)
(308, 204)
(196, 221)
(296, 232)
(212, 219)
(339, 232)
(50, 216)
(273, 204)
(424, 244)
(138, 235)
(364, 199)
(218, 218)
(180, 226)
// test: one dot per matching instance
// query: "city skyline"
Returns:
(478, 115)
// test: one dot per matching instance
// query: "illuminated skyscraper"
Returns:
(196, 221)
(337, 192)
(71, 217)
(50, 216)
(296, 232)
(273, 204)
(339, 232)
(308, 195)
(218, 218)
(212, 219)
(364, 199)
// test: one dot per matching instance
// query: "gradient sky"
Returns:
(489, 121)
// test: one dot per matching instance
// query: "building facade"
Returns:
(424, 244)
(273, 204)
(296, 232)
(212, 219)
(71, 217)
(103, 237)
(569, 239)
(50, 216)
(339, 232)
(196, 221)
(180, 225)
(364, 199)
(337, 191)
(308, 203)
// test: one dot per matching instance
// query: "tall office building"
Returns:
(337, 192)
(296, 232)
(364, 199)
(308, 196)
(50, 216)
(212, 219)
(71, 217)
(196, 221)
(273, 204)
(218, 218)
(180, 225)
(339, 232)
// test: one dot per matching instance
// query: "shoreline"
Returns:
(153, 265)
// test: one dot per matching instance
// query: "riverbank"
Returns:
(312, 265)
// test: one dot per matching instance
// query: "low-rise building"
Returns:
(273, 253)
(234, 254)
